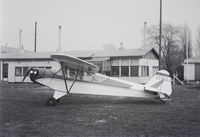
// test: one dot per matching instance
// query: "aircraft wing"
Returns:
(76, 63)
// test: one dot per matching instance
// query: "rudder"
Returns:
(160, 83)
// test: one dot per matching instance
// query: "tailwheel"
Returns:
(162, 101)
(51, 101)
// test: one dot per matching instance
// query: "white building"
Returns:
(137, 65)
(192, 69)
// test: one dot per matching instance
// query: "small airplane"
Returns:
(85, 79)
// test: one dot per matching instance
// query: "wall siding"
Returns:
(190, 74)
(13, 64)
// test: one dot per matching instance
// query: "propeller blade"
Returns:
(26, 75)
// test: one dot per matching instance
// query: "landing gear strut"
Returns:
(51, 101)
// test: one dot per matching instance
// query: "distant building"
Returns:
(137, 65)
(192, 70)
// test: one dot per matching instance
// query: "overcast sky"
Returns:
(89, 24)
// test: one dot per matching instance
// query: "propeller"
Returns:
(26, 74)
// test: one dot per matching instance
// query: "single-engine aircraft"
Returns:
(87, 80)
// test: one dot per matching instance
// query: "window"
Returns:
(134, 71)
(99, 65)
(125, 71)
(5, 70)
(25, 69)
(115, 70)
(144, 71)
(47, 67)
(107, 73)
(18, 71)
(72, 72)
(33, 67)
(155, 69)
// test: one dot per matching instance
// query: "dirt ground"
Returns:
(23, 113)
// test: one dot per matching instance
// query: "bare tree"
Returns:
(185, 40)
(197, 45)
(171, 50)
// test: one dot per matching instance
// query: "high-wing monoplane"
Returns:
(84, 78)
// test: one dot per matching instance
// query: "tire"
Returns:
(51, 102)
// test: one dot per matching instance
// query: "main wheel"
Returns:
(51, 102)
(58, 100)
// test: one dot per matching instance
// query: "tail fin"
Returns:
(160, 83)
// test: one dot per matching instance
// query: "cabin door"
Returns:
(197, 72)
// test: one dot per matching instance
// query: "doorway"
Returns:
(197, 72)
(5, 72)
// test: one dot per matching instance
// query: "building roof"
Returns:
(95, 53)
(26, 56)
(195, 59)
(111, 53)
(6, 49)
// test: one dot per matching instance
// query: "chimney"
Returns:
(20, 41)
(121, 46)
(59, 40)
(4, 48)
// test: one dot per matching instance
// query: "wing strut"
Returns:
(58, 94)
(63, 71)
(75, 78)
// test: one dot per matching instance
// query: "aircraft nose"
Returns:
(34, 72)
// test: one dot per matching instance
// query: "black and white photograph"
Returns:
(99, 68)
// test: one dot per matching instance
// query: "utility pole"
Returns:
(160, 35)
(35, 37)
(187, 72)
